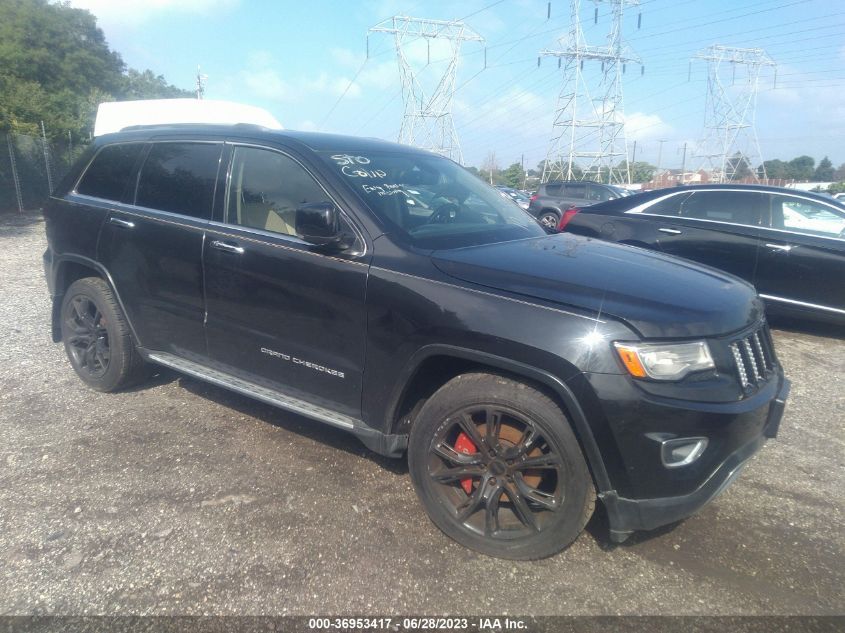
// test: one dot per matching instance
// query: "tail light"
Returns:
(566, 217)
(534, 197)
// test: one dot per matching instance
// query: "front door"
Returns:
(802, 255)
(280, 312)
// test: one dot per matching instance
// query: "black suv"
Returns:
(387, 291)
(552, 200)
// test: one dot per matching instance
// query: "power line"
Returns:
(343, 94)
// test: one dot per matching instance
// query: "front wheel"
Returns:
(498, 468)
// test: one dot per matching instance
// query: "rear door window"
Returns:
(731, 207)
(576, 191)
(553, 190)
(180, 177)
(599, 193)
(108, 174)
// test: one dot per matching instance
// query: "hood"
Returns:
(658, 295)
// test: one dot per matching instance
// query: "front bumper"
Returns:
(626, 515)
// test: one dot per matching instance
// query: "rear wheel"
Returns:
(498, 468)
(548, 219)
(96, 337)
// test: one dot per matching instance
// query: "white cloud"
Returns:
(641, 126)
(345, 57)
(133, 12)
(267, 84)
(262, 79)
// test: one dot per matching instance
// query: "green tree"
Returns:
(56, 67)
(146, 85)
(776, 168)
(802, 168)
(642, 171)
(824, 172)
(738, 163)
(512, 176)
(839, 174)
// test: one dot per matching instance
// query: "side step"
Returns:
(222, 379)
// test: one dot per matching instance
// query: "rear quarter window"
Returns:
(108, 174)
(180, 178)
(670, 206)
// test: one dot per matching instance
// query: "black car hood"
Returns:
(660, 296)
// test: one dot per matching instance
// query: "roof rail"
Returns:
(125, 115)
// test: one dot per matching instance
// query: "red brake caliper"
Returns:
(464, 445)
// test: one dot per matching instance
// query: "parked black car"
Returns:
(553, 199)
(789, 244)
(525, 374)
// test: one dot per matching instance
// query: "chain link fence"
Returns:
(30, 167)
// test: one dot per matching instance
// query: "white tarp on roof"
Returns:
(114, 116)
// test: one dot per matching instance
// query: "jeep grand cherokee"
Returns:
(387, 291)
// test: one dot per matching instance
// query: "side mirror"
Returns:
(318, 223)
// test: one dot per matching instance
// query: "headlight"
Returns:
(660, 361)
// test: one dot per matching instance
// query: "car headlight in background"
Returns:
(664, 361)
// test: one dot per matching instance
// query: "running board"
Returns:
(227, 381)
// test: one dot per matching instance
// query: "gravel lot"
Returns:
(182, 498)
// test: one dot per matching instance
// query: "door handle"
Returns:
(780, 247)
(228, 247)
(670, 231)
(126, 224)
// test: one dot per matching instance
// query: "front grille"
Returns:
(754, 357)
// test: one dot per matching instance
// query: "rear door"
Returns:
(802, 254)
(719, 228)
(283, 313)
(153, 248)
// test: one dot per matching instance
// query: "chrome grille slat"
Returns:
(751, 360)
(761, 354)
(754, 358)
(740, 366)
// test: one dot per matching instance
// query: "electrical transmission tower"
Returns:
(589, 123)
(730, 107)
(427, 122)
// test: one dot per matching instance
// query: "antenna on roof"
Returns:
(200, 83)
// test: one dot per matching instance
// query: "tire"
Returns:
(549, 219)
(97, 338)
(527, 429)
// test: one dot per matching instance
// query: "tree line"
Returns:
(56, 67)
(801, 168)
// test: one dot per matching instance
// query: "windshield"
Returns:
(432, 201)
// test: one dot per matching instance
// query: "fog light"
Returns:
(682, 451)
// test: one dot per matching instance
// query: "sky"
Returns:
(307, 63)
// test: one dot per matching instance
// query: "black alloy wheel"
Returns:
(97, 337)
(88, 339)
(498, 468)
(496, 472)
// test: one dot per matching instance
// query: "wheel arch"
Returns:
(434, 365)
(70, 268)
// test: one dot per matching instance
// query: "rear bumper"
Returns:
(627, 515)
